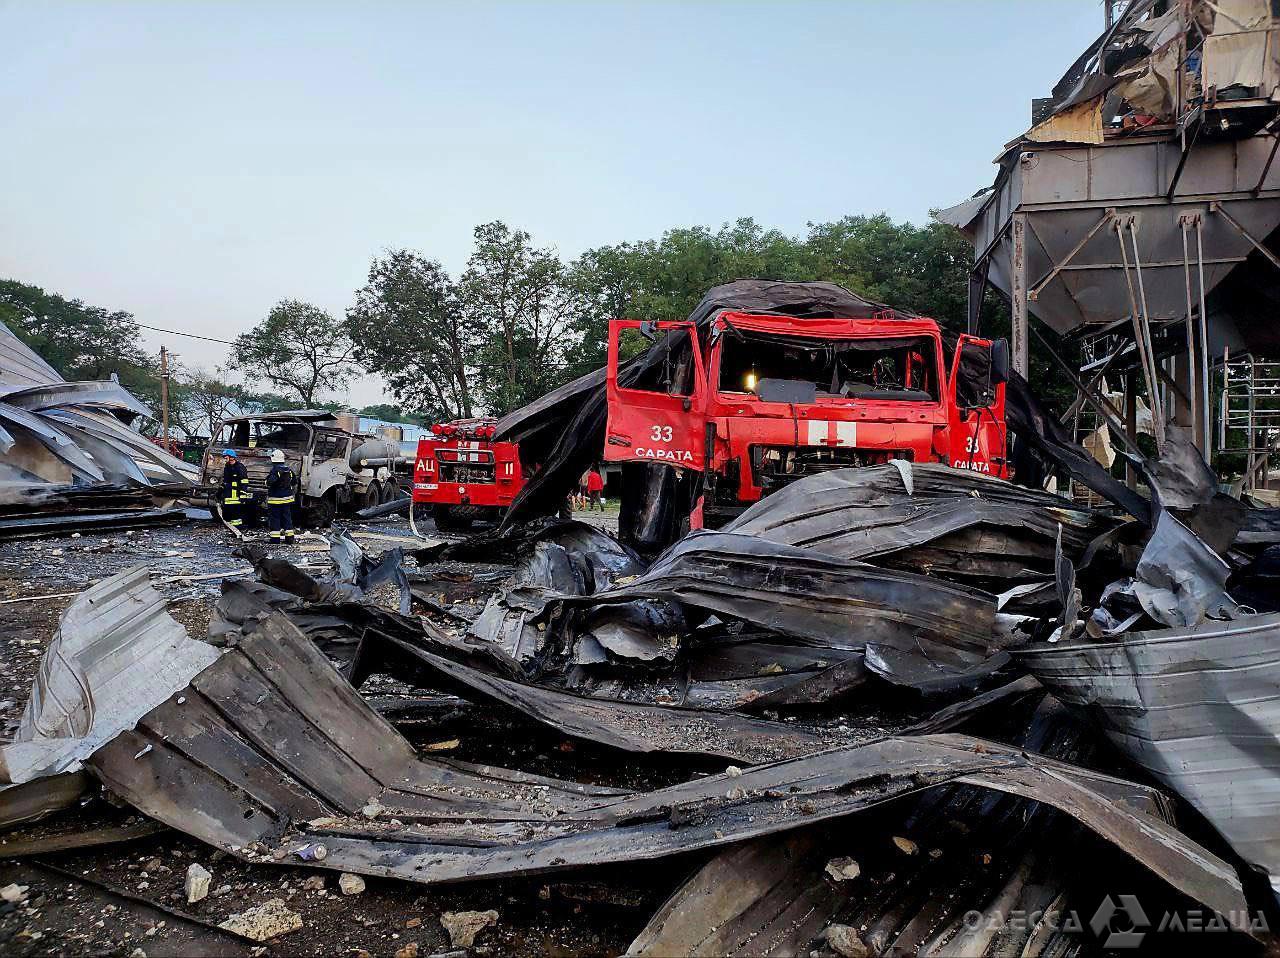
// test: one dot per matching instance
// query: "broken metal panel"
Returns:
(810, 596)
(1179, 580)
(116, 654)
(629, 726)
(50, 525)
(869, 513)
(303, 738)
(20, 367)
(107, 394)
(1199, 709)
(57, 442)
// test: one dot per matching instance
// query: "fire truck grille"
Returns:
(779, 465)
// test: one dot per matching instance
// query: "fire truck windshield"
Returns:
(887, 368)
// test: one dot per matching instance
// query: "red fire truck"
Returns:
(462, 474)
(753, 402)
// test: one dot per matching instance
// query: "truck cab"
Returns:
(752, 402)
(338, 470)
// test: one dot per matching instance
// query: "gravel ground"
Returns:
(127, 899)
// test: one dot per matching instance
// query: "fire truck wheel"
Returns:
(318, 513)
(455, 518)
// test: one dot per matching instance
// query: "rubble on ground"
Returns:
(876, 705)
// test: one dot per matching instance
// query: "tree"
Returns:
(388, 412)
(200, 400)
(408, 327)
(298, 348)
(515, 295)
(81, 342)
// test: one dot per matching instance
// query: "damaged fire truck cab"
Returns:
(754, 402)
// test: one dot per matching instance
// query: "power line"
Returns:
(227, 342)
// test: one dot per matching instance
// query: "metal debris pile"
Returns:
(876, 705)
(69, 460)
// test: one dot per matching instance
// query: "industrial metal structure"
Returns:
(1140, 215)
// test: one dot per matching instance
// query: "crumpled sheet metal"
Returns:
(116, 655)
(1179, 580)
(56, 432)
(1199, 708)
(271, 745)
(813, 597)
(871, 512)
(632, 727)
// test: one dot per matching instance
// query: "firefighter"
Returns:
(235, 489)
(280, 482)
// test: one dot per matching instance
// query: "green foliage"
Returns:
(81, 342)
(514, 296)
(298, 348)
(407, 325)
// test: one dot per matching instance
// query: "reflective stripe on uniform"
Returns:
(237, 522)
(279, 501)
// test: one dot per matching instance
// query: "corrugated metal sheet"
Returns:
(19, 366)
(270, 745)
(117, 654)
(1197, 707)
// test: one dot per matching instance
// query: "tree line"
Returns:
(517, 321)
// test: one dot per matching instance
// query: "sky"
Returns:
(196, 163)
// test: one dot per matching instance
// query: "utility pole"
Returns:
(164, 396)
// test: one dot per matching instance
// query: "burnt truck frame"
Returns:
(338, 471)
(742, 410)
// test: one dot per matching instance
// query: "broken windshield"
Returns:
(799, 368)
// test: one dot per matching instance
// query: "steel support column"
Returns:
(1020, 341)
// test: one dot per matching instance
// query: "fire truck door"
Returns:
(977, 426)
(656, 407)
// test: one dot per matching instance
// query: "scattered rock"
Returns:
(265, 921)
(446, 746)
(413, 923)
(350, 884)
(844, 941)
(197, 883)
(843, 869)
(408, 951)
(14, 894)
(372, 810)
(733, 771)
(313, 883)
(463, 926)
(905, 845)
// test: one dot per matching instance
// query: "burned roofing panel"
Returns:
(1199, 708)
(270, 748)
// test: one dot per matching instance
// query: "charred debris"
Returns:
(898, 709)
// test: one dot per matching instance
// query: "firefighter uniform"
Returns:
(235, 489)
(280, 482)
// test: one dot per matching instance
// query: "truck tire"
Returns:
(390, 490)
(318, 513)
(372, 496)
(455, 518)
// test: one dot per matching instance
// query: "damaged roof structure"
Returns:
(1138, 218)
(68, 457)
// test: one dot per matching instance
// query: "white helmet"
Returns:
(277, 455)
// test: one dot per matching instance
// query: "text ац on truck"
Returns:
(749, 403)
(462, 474)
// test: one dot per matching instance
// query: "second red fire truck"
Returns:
(462, 474)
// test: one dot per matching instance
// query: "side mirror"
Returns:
(1000, 361)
